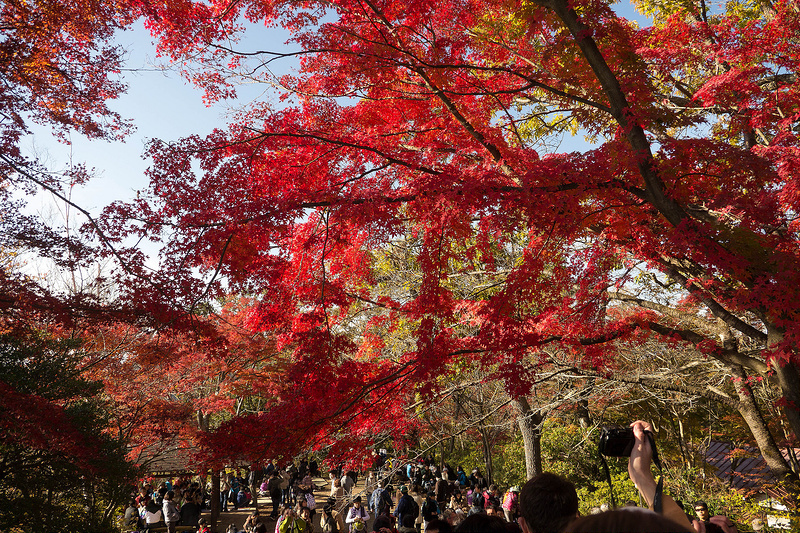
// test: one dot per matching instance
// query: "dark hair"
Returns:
(261, 527)
(701, 503)
(439, 525)
(409, 520)
(548, 502)
(626, 520)
(481, 523)
(382, 521)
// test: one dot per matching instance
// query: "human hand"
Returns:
(640, 459)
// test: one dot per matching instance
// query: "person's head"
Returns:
(482, 523)
(409, 520)
(440, 526)
(260, 528)
(357, 502)
(626, 520)
(382, 521)
(701, 508)
(201, 522)
(403, 489)
(431, 494)
(305, 514)
(548, 502)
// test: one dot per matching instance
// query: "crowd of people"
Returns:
(421, 498)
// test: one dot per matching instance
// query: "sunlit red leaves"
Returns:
(405, 125)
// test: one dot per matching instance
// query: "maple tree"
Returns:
(434, 121)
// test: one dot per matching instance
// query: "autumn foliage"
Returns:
(433, 126)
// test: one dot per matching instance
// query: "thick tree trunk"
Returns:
(215, 504)
(789, 382)
(487, 455)
(530, 425)
(758, 427)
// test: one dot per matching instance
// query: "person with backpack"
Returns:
(381, 501)
(331, 520)
(430, 510)
(405, 505)
(511, 504)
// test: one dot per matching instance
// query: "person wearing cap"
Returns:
(357, 517)
(511, 504)
(405, 505)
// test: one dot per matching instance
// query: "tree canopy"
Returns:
(402, 211)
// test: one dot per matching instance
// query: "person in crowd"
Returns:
(357, 516)
(457, 498)
(419, 498)
(152, 514)
(430, 510)
(130, 522)
(462, 477)
(190, 510)
(627, 520)
(438, 526)
(442, 491)
(338, 492)
(225, 492)
(380, 501)
(642, 477)
(405, 505)
(331, 520)
(171, 514)
(492, 496)
(306, 515)
(547, 502)
(252, 521)
(203, 527)
(144, 496)
(703, 524)
(274, 489)
(482, 523)
(408, 525)
(384, 524)
(292, 523)
(347, 484)
(511, 504)
(477, 505)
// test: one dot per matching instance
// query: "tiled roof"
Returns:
(746, 470)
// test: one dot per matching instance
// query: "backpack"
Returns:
(384, 501)
(328, 523)
(478, 499)
(413, 509)
(430, 509)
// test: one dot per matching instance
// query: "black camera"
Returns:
(616, 442)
